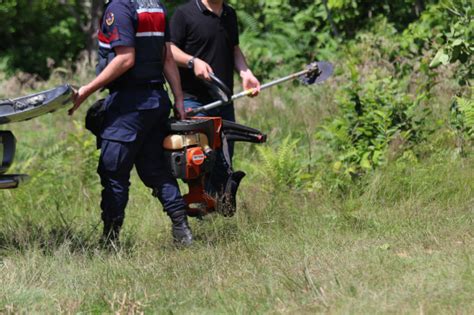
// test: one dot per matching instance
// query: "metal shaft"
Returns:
(247, 92)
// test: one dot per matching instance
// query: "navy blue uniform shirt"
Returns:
(120, 22)
(141, 24)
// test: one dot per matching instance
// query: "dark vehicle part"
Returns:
(7, 154)
(315, 72)
(25, 108)
(237, 132)
(190, 151)
(21, 109)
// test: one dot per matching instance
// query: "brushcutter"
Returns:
(192, 145)
(316, 72)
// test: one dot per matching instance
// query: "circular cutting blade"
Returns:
(318, 72)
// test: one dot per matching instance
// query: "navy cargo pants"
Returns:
(133, 133)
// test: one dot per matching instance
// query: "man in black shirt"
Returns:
(205, 39)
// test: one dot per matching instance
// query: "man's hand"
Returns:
(250, 82)
(202, 69)
(179, 112)
(78, 98)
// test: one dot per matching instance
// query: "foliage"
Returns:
(459, 45)
(277, 35)
(296, 32)
(282, 166)
(286, 250)
(372, 115)
(39, 35)
(462, 120)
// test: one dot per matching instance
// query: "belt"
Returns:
(140, 86)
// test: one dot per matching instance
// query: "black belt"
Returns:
(140, 86)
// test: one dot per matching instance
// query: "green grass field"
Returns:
(401, 240)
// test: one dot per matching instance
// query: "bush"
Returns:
(372, 115)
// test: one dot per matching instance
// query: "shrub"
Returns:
(372, 115)
(281, 166)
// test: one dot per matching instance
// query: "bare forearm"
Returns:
(249, 81)
(118, 66)
(180, 56)
(123, 61)
(201, 68)
(239, 61)
(172, 75)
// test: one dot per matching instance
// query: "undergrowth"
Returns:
(360, 202)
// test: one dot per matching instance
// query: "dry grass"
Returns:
(400, 243)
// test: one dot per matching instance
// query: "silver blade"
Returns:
(318, 72)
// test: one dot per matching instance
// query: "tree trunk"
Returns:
(87, 14)
(419, 7)
(91, 28)
(330, 19)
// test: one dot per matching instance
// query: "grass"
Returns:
(376, 253)
(401, 241)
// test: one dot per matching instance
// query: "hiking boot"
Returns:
(181, 232)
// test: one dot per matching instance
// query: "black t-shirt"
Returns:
(202, 34)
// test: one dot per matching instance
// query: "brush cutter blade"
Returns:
(318, 72)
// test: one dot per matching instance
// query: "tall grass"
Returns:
(400, 240)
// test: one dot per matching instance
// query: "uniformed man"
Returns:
(205, 39)
(134, 59)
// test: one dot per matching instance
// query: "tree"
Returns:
(87, 14)
(39, 35)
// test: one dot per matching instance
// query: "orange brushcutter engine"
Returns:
(191, 149)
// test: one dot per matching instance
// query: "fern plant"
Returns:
(282, 166)
(83, 144)
(462, 120)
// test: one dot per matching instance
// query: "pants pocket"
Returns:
(111, 155)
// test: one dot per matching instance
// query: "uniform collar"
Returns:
(205, 10)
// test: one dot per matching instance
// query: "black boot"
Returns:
(182, 234)
(110, 235)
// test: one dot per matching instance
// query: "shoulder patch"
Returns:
(110, 18)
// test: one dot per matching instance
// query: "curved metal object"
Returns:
(7, 150)
(218, 89)
(27, 107)
(189, 125)
(11, 181)
(7, 154)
